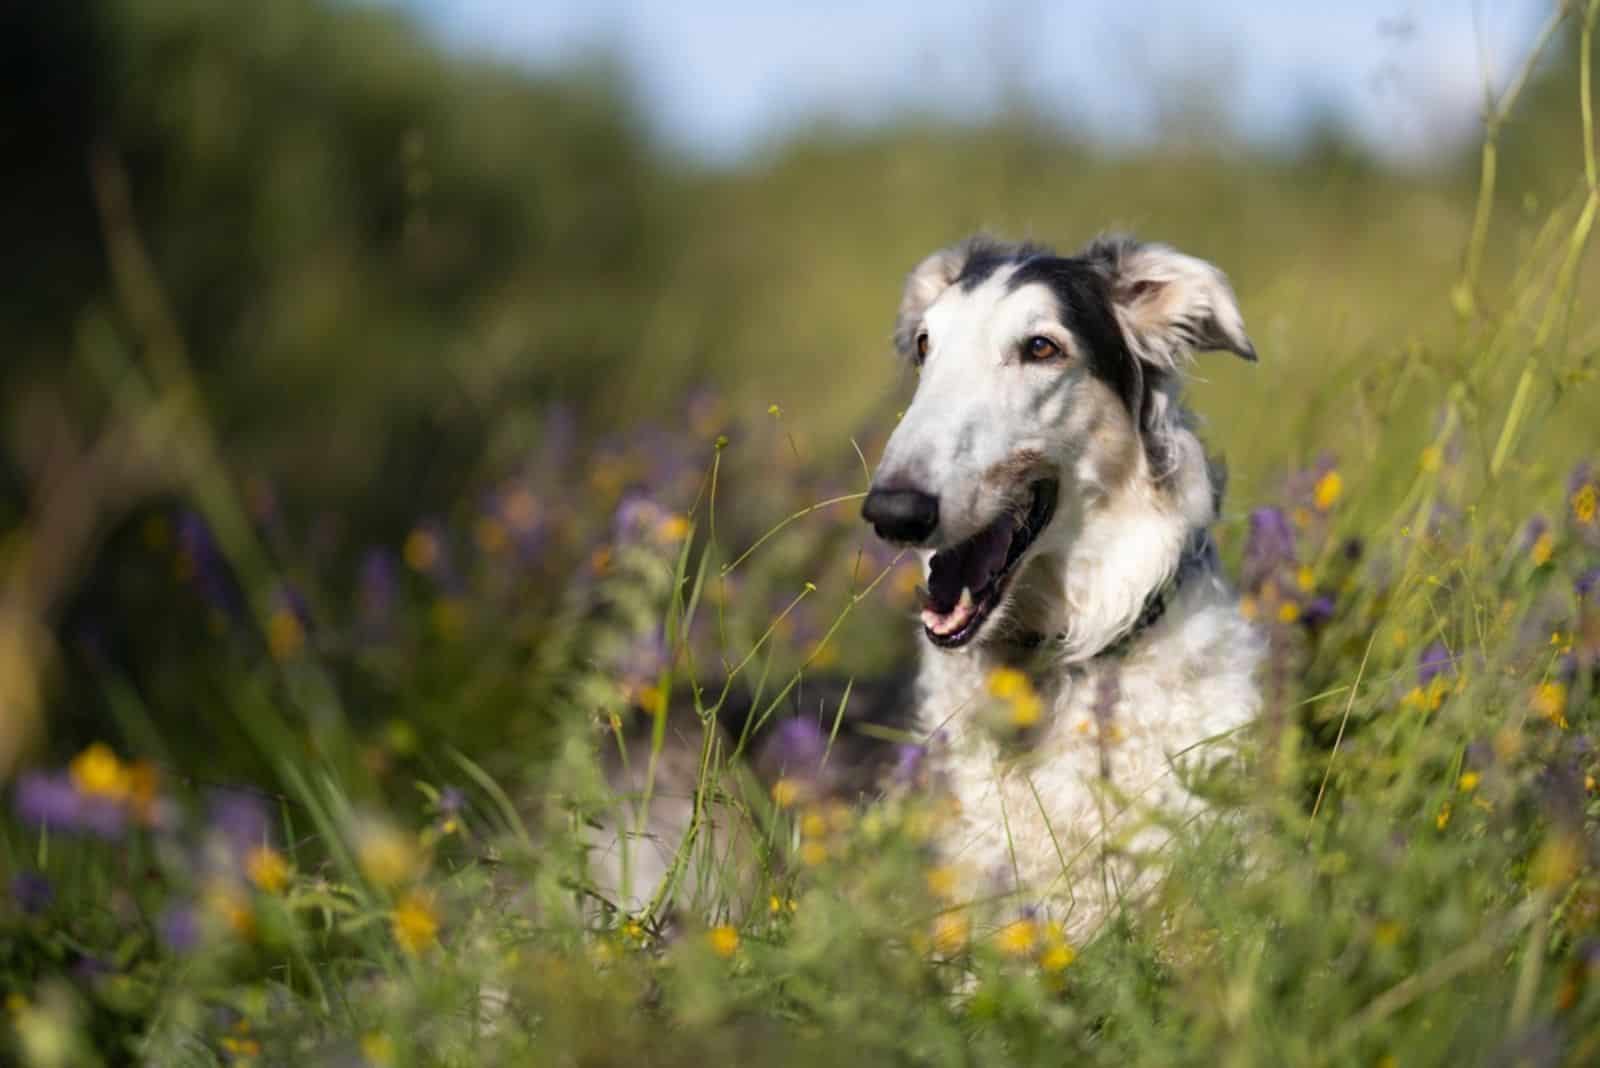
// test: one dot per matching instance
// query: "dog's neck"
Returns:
(1114, 557)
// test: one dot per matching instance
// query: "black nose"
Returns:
(902, 515)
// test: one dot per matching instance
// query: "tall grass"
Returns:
(1405, 872)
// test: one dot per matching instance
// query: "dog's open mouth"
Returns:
(967, 581)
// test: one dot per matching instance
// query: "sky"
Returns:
(722, 80)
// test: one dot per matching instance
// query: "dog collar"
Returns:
(1199, 554)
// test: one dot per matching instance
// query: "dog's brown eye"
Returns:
(922, 348)
(1041, 348)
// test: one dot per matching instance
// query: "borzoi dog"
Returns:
(1060, 501)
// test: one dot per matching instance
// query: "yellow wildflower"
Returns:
(241, 1047)
(1017, 938)
(633, 930)
(267, 869)
(950, 931)
(421, 550)
(491, 535)
(1442, 820)
(285, 635)
(1013, 688)
(724, 940)
(1550, 701)
(1328, 490)
(813, 824)
(386, 856)
(229, 906)
(1058, 953)
(1305, 578)
(377, 1049)
(1432, 458)
(1288, 612)
(942, 881)
(650, 699)
(672, 529)
(415, 923)
(785, 792)
(1542, 549)
(813, 853)
(97, 771)
(1469, 781)
(1585, 504)
(1248, 606)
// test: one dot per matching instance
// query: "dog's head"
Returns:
(1040, 377)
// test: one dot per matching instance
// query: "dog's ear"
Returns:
(931, 277)
(1168, 304)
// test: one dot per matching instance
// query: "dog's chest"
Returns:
(1040, 811)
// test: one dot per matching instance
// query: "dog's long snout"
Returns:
(907, 516)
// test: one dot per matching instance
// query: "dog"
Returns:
(1061, 503)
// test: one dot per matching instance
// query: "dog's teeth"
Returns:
(966, 600)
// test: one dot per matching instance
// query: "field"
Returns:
(385, 432)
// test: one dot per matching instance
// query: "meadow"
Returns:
(387, 432)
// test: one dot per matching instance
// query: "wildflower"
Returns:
(795, 750)
(97, 772)
(377, 1049)
(54, 801)
(423, 550)
(672, 530)
(1584, 504)
(942, 881)
(813, 853)
(285, 636)
(387, 856)
(633, 931)
(950, 931)
(908, 762)
(1017, 938)
(267, 869)
(1542, 549)
(785, 792)
(179, 927)
(415, 923)
(1469, 781)
(724, 941)
(1328, 490)
(1269, 545)
(32, 892)
(491, 535)
(1317, 611)
(1434, 662)
(376, 592)
(1550, 701)
(1442, 820)
(1432, 458)
(240, 819)
(1305, 578)
(1058, 953)
(1014, 690)
(1288, 612)
(224, 902)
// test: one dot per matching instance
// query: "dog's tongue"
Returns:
(958, 573)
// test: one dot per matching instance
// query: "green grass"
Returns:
(350, 840)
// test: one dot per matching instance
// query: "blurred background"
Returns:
(355, 329)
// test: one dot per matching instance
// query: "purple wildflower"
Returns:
(452, 801)
(1269, 546)
(1436, 661)
(1317, 611)
(51, 800)
(636, 516)
(239, 818)
(1588, 583)
(202, 564)
(32, 892)
(1533, 530)
(377, 585)
(179, 927)
(908, 761)
(796, 748)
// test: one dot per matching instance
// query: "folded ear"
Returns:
(927, 280)
(1168, 304)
